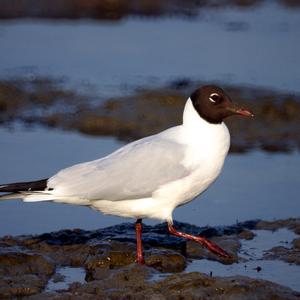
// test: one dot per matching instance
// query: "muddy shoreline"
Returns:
(48, 102)
(107, 257)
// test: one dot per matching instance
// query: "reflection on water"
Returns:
(251, 186)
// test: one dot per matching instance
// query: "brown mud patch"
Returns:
(107, 256)
(43, 101)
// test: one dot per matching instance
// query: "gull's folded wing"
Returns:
(134, 171)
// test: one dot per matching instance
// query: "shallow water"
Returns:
(67, 275)
(257, 46)
(255, 266)
(251, 186)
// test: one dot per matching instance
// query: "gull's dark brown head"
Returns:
(214, 105)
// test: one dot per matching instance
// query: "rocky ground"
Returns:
(107, 256)
(147, 111)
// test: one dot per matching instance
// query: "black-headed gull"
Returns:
(150, 177)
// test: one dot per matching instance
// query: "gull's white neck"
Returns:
(208, 136)
(192, 119)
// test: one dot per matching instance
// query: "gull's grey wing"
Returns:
(134, 171)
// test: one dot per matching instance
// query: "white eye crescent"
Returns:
(214, 97)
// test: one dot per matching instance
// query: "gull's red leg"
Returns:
(139, 248)
(201, 240)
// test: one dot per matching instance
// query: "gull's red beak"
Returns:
(244, 112)
(240, 111)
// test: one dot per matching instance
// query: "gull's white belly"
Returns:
(163, 201)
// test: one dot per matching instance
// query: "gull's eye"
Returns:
(215, 98)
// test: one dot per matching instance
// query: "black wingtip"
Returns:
(38, 185)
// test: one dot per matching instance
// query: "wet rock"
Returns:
(133, 284)
(53, 296)
(18, 263)
(200, 286)
(132, 274)
(20, 286)
(246, 235)
(161, 259)
(107, 256)
(194, 250)
(118, 284)
(296, 243)
(96, 266)
(166, 261)
(7, 241)
(292, 224)
(230, 244)
(23, 273)
(96, 272)
(291, 256)
(71, 255)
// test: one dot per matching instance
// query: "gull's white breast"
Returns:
(207, 146)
